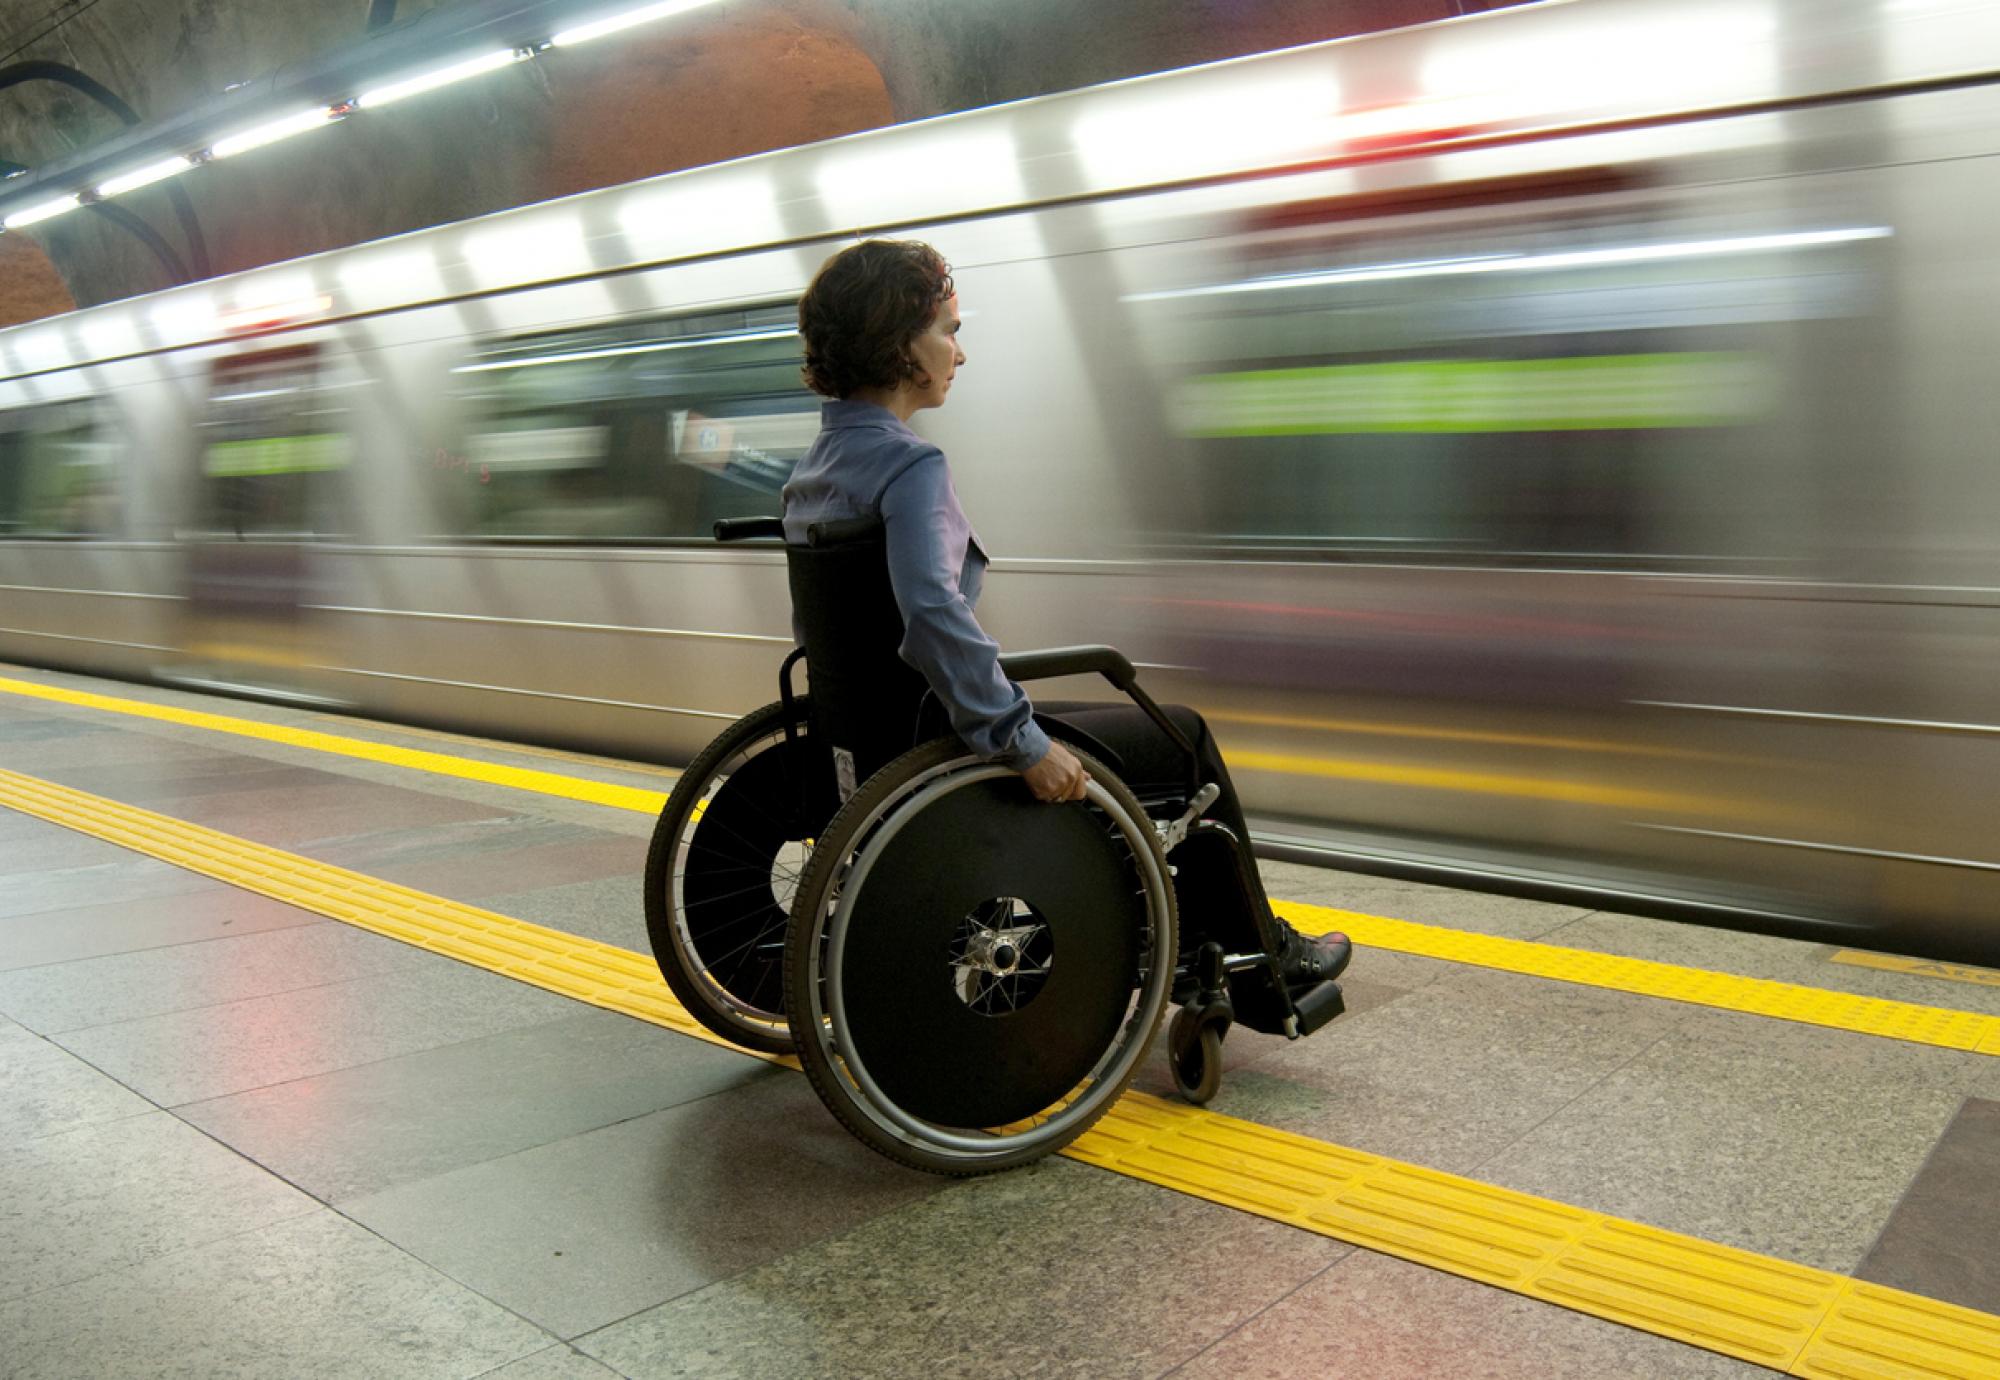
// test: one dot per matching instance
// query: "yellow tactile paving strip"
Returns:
(443, 764)
(1943, 1027)
(1784, 1001)
(1787, 1317)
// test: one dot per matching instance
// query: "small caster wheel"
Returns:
(1195, 1052)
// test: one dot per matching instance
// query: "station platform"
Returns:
(334, 1048)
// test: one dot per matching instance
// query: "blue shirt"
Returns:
(866, 463)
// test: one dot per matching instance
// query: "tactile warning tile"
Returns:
(443, 764)
(601, 974)
(1882, 1334)
(1788, 1317)
(1785, 1001)
(1780, 1315)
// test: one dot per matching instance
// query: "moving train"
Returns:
(1556, 447)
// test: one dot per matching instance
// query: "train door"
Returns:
(271, 488)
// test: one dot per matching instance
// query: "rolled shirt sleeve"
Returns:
(927, 539)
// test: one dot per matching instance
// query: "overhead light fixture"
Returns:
(615, 23)
(443, 76)
(270, 132)
(42, 211)
(144, 177)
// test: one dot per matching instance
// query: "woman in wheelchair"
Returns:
(969, 971)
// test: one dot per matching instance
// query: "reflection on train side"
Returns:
(272, 483)
(1512, 392)
(58, 475)
(639, 432)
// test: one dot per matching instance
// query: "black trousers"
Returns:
(1154, 766)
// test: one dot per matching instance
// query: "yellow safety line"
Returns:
(1363, 727)
(1785, 1001)
(1788, 1317)
(443, 764)
(1780, 1001)
(1479, 783)
(1919, 967)
(586, 759)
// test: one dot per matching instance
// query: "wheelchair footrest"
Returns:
(1318, 1006)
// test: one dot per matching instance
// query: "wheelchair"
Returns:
(969, 977)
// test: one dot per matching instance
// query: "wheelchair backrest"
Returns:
(866, 699)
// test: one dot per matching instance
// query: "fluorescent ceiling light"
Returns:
(611, 24)
(284, 127)
(1511, 263)
(443, 76)
(144, 177)
(42, 211)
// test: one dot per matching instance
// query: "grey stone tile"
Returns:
(157, 785)
(1053, 1270)
(112, 1195)
(1451, 1073)
(126, 877)
(1845, 1054)
(213, 911)
(191, 1056)
(121, 987)
(1765, 956)
(45, 1091)
(1940, 1239)
(361, 1130)
(599, 1226)
(1784, 1158)
(104, 745)
(557, 1363)
(333, 807)
(39, 847)
(611, 910)
(590, 855)
(1375, 1316)
(309, 1298)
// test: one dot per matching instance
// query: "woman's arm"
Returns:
(927, 535)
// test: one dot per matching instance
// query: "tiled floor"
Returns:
(238, 1139)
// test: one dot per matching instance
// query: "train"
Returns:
(1555, 447)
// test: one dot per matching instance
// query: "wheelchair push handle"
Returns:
(749, 528)
(1108, 662)
(1113, 665)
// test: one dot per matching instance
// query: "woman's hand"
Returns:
(1058, 776)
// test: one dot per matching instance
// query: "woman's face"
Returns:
(937, 355)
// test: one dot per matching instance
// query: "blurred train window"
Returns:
(636, 432)
(274, 448)
(1591, 380)
(58, 472)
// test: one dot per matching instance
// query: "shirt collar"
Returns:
(842, 412)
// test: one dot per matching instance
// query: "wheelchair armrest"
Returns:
(748, 528)
(1108, 662)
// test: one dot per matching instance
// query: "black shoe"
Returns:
(1304, 960)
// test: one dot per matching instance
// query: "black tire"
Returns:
(1195, 1057)
(921, 1101)
(727, 852)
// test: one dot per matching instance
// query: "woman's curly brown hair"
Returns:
(866, 304)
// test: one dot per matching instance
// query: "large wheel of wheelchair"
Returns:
(726, 858)
(974, 976)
